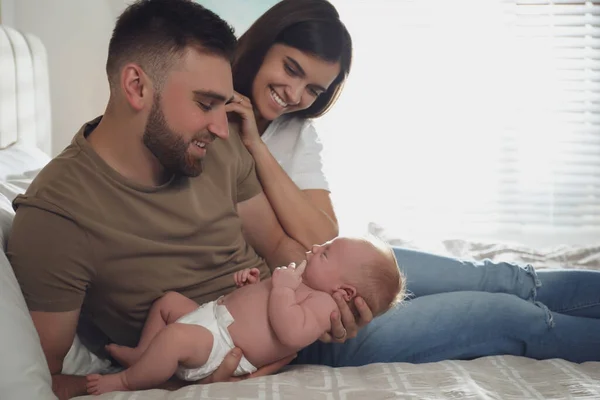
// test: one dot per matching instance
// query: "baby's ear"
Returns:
(348, 292)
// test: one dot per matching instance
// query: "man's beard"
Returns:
(167, 146)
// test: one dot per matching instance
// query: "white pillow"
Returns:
(18, 159)
(10, 190)
(24, 373)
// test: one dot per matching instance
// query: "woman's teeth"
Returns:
(278, 99)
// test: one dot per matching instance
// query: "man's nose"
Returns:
(218, 125)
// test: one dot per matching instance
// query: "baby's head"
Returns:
(364, 267)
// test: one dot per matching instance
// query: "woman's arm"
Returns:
(306, 215)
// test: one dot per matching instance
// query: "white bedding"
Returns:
(18, 159)
(564, 256)
(504, 377)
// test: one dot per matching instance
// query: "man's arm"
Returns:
(50, 257)
(264, 233)
(57, 331)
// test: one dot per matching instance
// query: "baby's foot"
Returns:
(99, 384)
(126, 356)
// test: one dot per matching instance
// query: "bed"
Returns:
(25, 137)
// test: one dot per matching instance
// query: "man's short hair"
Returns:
(155, 33)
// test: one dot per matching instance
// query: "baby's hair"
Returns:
(380, 284)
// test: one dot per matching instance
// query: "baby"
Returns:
(268, 320)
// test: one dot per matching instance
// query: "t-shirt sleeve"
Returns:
(248, 184)
(51, 260)
(307, 164)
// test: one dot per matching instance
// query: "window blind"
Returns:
(475, 118)
(565, 192)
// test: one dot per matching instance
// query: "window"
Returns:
(470, 117)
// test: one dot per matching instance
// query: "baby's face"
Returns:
(329, 263)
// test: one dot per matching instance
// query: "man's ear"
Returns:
(348, 292)
(136, 85)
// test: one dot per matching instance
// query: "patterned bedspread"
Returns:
(498, 377)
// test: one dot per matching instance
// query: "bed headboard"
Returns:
(24, 91)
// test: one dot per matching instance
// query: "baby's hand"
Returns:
(246, 276)
(290, 276)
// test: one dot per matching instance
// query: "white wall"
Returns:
(239, 13)
(8, 12)
(76, 34)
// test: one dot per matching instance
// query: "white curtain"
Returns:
(475, 118)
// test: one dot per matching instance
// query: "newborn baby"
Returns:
(268, 320)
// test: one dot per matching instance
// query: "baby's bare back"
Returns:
(251, 330)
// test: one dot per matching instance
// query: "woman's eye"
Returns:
(289, 70)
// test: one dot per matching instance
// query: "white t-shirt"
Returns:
(296, 146)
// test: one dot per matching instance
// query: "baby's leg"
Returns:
(166, 310)
(188, 345)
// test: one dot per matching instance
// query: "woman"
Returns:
(291, 71)
(290, 66)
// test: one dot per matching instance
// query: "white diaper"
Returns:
(216, 318)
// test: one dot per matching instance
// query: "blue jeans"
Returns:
(464, 310)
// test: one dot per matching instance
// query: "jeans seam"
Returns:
(531, 272)
(578, 307)
(416, 357)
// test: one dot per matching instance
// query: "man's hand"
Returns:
(227, 368)
(290, 276)
(347, 326)
(66, 387)
(246, 276)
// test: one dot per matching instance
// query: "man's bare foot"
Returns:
(126, 356)
(99, 384)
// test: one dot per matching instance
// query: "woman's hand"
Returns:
(242, 107)
(343, 324)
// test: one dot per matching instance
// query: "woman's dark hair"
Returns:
(311, 26)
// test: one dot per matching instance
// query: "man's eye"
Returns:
(205, 107)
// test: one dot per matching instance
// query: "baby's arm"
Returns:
(297, 324)
(246, 276)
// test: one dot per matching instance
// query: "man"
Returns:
(154, 196)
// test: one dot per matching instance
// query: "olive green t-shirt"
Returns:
(85, 236)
